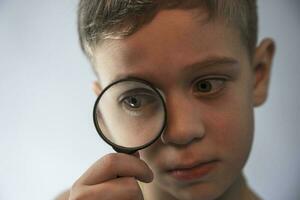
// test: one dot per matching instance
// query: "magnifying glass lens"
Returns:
(129, 114)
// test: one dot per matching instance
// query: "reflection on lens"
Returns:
(130, 113)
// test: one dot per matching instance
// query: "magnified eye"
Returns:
(209, 86)
(133, 101)
(139, 102)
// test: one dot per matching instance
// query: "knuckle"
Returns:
(75, 185)
(109, 160)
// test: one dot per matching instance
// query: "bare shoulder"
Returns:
(63, 196)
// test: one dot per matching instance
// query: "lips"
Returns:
(193, 171)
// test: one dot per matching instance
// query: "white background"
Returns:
(47, 139)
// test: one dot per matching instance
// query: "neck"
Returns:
(238, 191)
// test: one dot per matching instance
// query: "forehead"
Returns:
(172, 40)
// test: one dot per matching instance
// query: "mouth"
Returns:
(192, 172)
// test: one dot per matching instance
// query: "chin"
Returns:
(203, 191)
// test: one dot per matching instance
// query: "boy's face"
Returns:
(204, 71)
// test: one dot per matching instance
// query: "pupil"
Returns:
(204, 86)
(133, 102)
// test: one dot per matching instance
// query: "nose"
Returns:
(184, 123)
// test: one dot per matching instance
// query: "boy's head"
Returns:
(201, 55)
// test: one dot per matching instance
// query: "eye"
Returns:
(139, 103)
(133, 102)
(209, 86)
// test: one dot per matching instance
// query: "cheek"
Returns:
(230, 128)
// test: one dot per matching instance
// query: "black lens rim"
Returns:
(118, 148)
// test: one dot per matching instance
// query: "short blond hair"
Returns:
(102, 19)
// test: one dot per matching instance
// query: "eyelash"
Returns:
(214, 90)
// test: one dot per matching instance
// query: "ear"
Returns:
(262, 64)
(97, 88)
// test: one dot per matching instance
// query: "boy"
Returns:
(203, 56)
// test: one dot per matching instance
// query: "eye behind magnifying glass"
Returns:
(139, 101)
(133, 101)
(133, 114)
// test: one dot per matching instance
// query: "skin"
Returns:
(177, 50)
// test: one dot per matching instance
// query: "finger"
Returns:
(116, 165)
(125, 188)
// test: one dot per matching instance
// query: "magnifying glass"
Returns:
(130, 114)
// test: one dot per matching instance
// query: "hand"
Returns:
(112, 177)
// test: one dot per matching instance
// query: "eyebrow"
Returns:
(212, 61)
(124, 76)
(209, 62)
